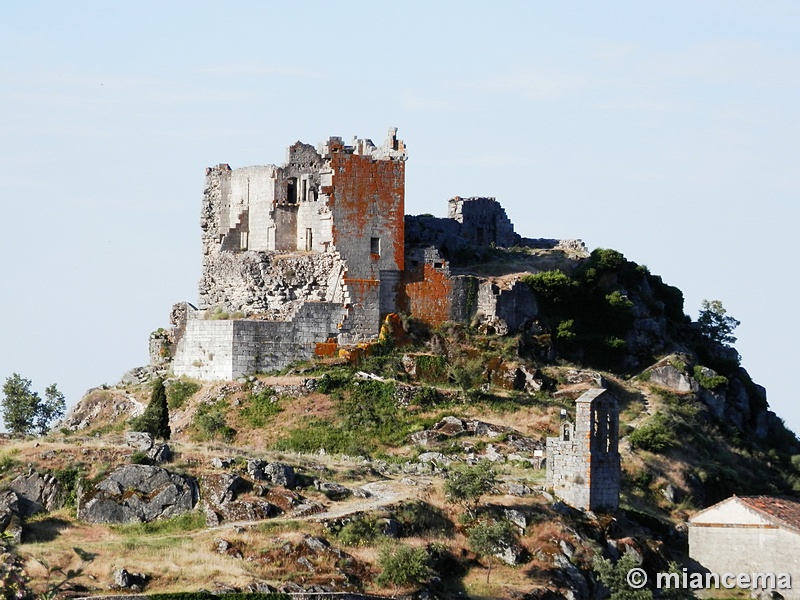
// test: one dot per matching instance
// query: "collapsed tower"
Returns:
(312, 249)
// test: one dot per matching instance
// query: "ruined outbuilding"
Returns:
(583, 463)
(311, 255)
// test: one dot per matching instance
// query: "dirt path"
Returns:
(381, 494)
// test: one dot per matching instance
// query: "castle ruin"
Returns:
(302, 258)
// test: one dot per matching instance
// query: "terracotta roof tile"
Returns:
(780, 508)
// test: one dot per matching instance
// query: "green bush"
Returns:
(359, 532)
(709, 382)
(403, 565)
(370, 410)
(260, 408)
(139, 458)
(69, 477)
(330, 382)
(179, 391)
(420, 518)
(427, 396)
(431, 368)
(210, 422)
(551, 287)
(653, 436)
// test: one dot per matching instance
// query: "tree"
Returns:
(25, 412)
(466, 485)
(716, 324)
(155, 418)
(490, 539)
(403, 565)
(50, 409)
(617, 579)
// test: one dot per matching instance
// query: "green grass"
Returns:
(188, 521)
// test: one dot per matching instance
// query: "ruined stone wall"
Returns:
(366, 195)
(483, 221)
(507, 307)
(272, 345)
(269, 283)
(428, 286)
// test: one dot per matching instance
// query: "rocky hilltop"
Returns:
(296, 480)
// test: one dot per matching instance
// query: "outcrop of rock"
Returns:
(102, 405)
(139, 440)
(37, 493)
(10, 523)
(221, 500)
(138, 493)
(276, 473)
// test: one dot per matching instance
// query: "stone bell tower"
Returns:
(583, 466)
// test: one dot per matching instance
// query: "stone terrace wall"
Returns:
(227, 349)
(205, 350)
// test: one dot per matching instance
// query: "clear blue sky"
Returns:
(669, 131)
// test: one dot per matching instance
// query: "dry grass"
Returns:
(173, 560)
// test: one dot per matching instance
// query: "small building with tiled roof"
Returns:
(749, 534)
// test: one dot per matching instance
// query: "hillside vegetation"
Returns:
(416, 468)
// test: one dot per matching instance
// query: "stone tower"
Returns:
(583, 467)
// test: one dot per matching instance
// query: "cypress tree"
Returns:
(155, 418)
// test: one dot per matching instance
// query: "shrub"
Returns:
(654, 436)
(217, 314)
(69, 477)
(551, 287)
(710, 382)
(359, 532)
(179, 391)
(370, 409)
(564, 331)
(614, 577)
(332, 381)
(403, 565)
(260, 408)
(210, 422)
(427, 396)
(420, 518)
(466, 485)
(431, 367)
(140, 458)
